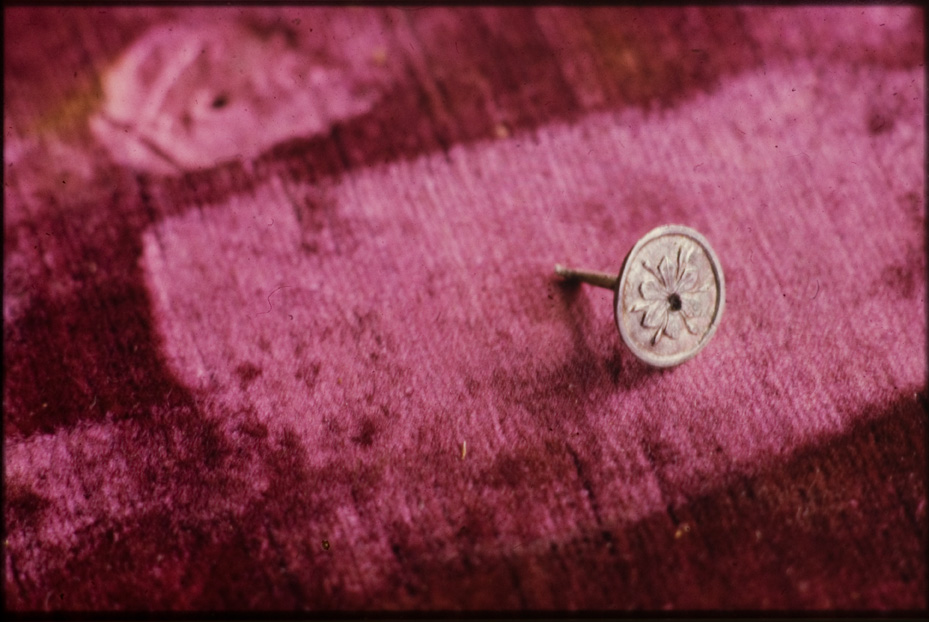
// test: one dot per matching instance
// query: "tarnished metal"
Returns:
(669, 295)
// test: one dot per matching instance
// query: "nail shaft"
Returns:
(600, 279)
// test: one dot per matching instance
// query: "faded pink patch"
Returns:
(413, 307)
(347, 342)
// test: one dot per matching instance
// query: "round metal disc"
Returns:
(670, 296)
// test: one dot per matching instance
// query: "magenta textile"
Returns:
(281, 330)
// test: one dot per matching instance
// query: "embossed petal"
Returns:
(656, 315)
(690, 305)
(673, 327)
(688, 281)
(651, 290)
(667, 272)
(673, 277)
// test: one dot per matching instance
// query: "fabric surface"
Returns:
(281, 330)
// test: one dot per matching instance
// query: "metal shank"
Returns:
(599, 279)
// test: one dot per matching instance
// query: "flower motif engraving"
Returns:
(671, 296)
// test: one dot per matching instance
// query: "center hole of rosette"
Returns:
(674, 302)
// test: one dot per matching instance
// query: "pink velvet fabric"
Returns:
(281, 329)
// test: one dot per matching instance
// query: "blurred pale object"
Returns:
(190, 96)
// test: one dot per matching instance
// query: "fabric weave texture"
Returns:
(282, 332)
